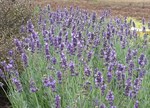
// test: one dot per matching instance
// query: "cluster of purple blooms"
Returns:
(70, 39)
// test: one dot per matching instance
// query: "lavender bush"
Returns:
(76, 59)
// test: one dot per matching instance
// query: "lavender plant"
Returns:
(75, 59)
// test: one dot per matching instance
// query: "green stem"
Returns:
(38, 106)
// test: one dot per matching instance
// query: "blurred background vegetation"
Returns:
(13, 14)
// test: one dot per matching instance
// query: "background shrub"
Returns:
(13, 14)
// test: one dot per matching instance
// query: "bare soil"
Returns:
(137, 9)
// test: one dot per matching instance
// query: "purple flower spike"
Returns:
(103, 88)
(4, 64)
(128, 56)
(59, 76)
(128, 85)
(110, 97)
(19, 45)
(94, 17)
(22, 29)
(32, 46)
(99, 79)
(57, 101)
(38, 44)
(72, 69)
(142, 60)
(33, 87)
(137, 85)
(2, 75)
(54, 60)
(87, 71)
(47, 51)
(109, 77)
(89, 55)
(30, 26)
(102, 106)
(10, 53)
(50, 82)
(24, 59)
(18, 85)
(136, 105)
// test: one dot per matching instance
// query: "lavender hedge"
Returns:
(76, 59)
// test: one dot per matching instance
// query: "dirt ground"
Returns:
(135, 9)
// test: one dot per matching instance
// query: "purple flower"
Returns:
(62, 46)
(103, 88)
(87, 71)
(30, 26)
(136, 105)
(59, 39)
(24, 59)
(54, 60)
(9, 68)
(142, 61)
(99, 79)
(4, 65)
(50, 82)
(119, 75)
(129, 55)
(93, 17)
(57, 101)
(121, 67)
(12, 62)
(18, 84)
(32, 45)
(33, 87)
(74, 41)
(22, 29)
(89, 55)
(130, 94)
(34, 35)
(64, 63)
(128, 85)
(72, 68)
(2, 75)
(137, 85)
(59, 76)
(142, 73)
(38, 44)
(40, 20)
(109, 77)
(131, 67)
(102, 106)
(47, 51)
(19, 45)
(110, 97)
(10, 53)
